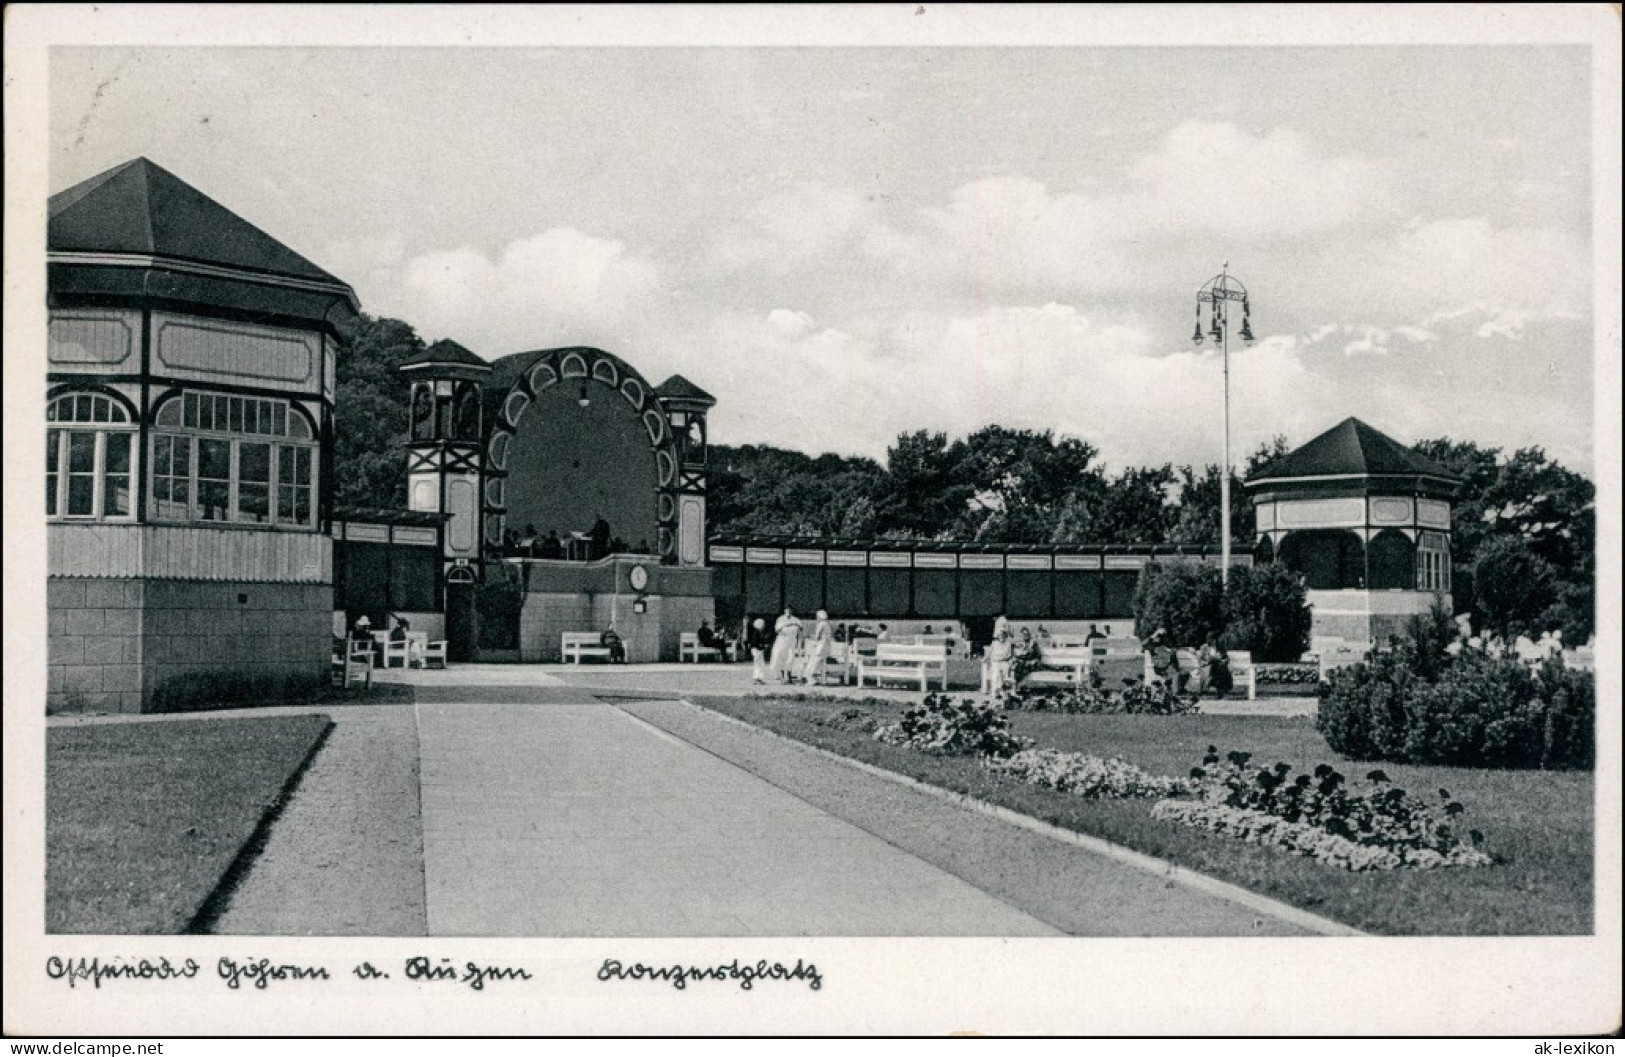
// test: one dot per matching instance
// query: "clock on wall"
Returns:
(639, 577)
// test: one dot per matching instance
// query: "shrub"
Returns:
(1087, 776)
(943, 727)
(1182, 596)
(1319, 815)
(1480, 711)
(1266, 612)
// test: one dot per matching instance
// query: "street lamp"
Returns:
(1218, 293)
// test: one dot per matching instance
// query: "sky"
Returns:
(842, 244)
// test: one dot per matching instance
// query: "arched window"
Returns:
(422, 412)
(219, 457)
(468, 412)
(1391, 558)
(89, 452)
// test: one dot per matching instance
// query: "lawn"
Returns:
(144, 821)
(1538, 825)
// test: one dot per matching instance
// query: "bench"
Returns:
(574, 645)
(1071, 663)
(391, 650)
(352, 662)
(421, 653)
(840, 659)
(689, 648)
(897, 661)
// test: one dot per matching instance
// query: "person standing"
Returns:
(823, 639)
(786, 637)
(757, 638)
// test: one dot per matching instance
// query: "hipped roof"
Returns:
(1352, 448)
(141, 208)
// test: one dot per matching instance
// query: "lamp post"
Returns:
(1218, 293)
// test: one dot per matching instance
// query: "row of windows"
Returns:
(229, 470)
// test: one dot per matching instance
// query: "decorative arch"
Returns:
(1391, 561)
(82, 403)
(598, 375)
(1328, 559)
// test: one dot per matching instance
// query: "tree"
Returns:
(370, 413)
(924, 494)
(1266, 612)
(1514, 585)
(1021, 480)
(1183, 597)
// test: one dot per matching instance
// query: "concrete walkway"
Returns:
(581, 821)
(526, 807)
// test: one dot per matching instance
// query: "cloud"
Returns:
(559, 285)
(1214, 177)
(791, 228)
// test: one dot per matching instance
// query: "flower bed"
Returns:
(1147, 699)
(944, 727)
(1257, 827)
(1307, 675)
(1089, 776)
(1318, 815)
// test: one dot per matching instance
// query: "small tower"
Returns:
(686, 405)
(1366, 522)
(443, 448)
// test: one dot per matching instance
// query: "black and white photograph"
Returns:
(827, 519)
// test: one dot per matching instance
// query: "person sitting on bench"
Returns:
(611, 641)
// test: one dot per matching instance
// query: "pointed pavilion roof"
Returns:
(142, 208)
(679, 388)
(1349, 449)
(445, 351)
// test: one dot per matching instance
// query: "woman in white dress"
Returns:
(787, 636)
(823, 638)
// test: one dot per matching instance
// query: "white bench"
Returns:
(352, 662)
(574, 645)
(421, 653)
(897, 661)
(689, 648)
(842, 659)
(1070, 663)
(1242, 671)
(391, 650)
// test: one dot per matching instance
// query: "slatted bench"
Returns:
(421, 653)
(689, 649)
(898, 661)
(1069, 664)
(352, 662)
(841, 662)
(574, 645)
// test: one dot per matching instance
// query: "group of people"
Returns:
(1212, 670)
(597, 542)
(775, 653)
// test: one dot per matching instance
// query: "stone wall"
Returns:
(111, 644)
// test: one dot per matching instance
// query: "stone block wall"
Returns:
(93, 644)
(112, 643)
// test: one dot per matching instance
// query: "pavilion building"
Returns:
(1366, 522)
(189, 433)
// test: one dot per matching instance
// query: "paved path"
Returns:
(579, 820)
(532, 809)
(345, 858)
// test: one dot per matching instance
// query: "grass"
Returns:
(1538, 824)
(143, 821)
